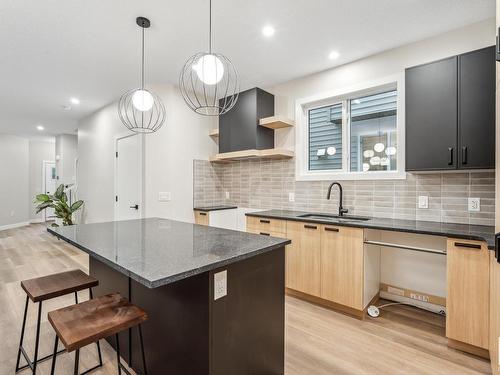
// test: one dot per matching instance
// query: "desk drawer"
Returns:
(266, 225)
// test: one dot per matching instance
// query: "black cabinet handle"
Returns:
(331, 229)
(135, 207)
(468, 245)
(265, 221)
(264, 234)
(310, 226)
(464, 155)
(450, 151)
(203, 213)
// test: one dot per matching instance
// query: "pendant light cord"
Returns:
(210, 28)
(142, 61)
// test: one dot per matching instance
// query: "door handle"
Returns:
(328, 229)
(464, 155)
(467, 245)
(450, 151)
(135, 207)
(310, 226)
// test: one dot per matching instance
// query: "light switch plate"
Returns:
(220, 285)
(164, 196)
(474, 204)
(423, 201)
(291, 197)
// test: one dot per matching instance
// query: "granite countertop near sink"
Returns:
(156, 252)
(214, 208)
(463, 231)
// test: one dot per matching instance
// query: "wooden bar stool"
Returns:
(88, 322)
(44, 288)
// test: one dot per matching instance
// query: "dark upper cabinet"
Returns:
(450, 113)
(476, 120)
(239, 128)
(431, 116)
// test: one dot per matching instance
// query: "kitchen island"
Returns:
(214, 297)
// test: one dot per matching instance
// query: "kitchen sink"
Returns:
(334, 217)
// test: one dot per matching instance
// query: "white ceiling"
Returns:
(55, 49)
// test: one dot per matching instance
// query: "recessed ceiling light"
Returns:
(268, 31)
(333, 55)
(40, 127)
(75, 101)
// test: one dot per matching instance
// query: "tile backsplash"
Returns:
(267, 184)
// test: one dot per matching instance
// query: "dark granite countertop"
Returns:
(214, 208)
(464, 231)
(156, 252)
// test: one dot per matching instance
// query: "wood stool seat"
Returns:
(56, 285)
(90, 321)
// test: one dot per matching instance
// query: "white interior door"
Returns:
(49, 185)
(128, 178)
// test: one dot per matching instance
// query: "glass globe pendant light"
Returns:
(141, 110)
(209, 81)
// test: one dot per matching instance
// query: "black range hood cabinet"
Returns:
(239, 128)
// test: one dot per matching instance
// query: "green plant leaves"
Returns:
(43, 206)
(42, 198)
(75, 206)
(59, 192)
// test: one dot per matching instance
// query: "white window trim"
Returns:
(302, 106)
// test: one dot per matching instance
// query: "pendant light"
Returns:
(141, 110)
(209, 81)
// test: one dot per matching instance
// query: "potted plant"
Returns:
(59, 202)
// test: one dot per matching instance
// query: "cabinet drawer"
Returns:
(266, 233)
(467, 303)
(266, 225)
(201, 217)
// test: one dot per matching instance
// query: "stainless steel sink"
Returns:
(334, 217)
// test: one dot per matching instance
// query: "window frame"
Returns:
(343, 96)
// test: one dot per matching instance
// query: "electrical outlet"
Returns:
(291, 197)
(474, 204)
(227, 195)
(164, 196)
(12, 213)
(220, 285)
(423, 201)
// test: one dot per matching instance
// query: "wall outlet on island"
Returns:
(227, 195)
(423, 201)
(220, 284)
(474, 204)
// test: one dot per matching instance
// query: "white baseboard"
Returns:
(37, 221)
(15, 225)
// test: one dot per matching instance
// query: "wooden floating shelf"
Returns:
(214, 133)
(276, 122)
(272, 153)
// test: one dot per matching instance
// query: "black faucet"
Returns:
(342, 210)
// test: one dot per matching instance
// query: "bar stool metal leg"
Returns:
(22, 334)
(37, 339)
(118, 354)
(54, 356)
(77, 360)
(144, 367)
(91, 296)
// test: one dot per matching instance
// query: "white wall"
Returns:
(168, 160)
(66, 153)
(388, 63)
(39, 151)
(14, 180)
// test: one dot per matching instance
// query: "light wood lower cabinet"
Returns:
(303, 265)
(342, 265)
(467, 303)
(201, 217)
(494, 313)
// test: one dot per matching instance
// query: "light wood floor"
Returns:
(403, 340)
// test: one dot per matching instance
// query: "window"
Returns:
(357, 134)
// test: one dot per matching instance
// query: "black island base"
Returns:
(222, 317)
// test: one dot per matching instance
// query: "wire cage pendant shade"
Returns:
(141, 110)
(208, 81)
